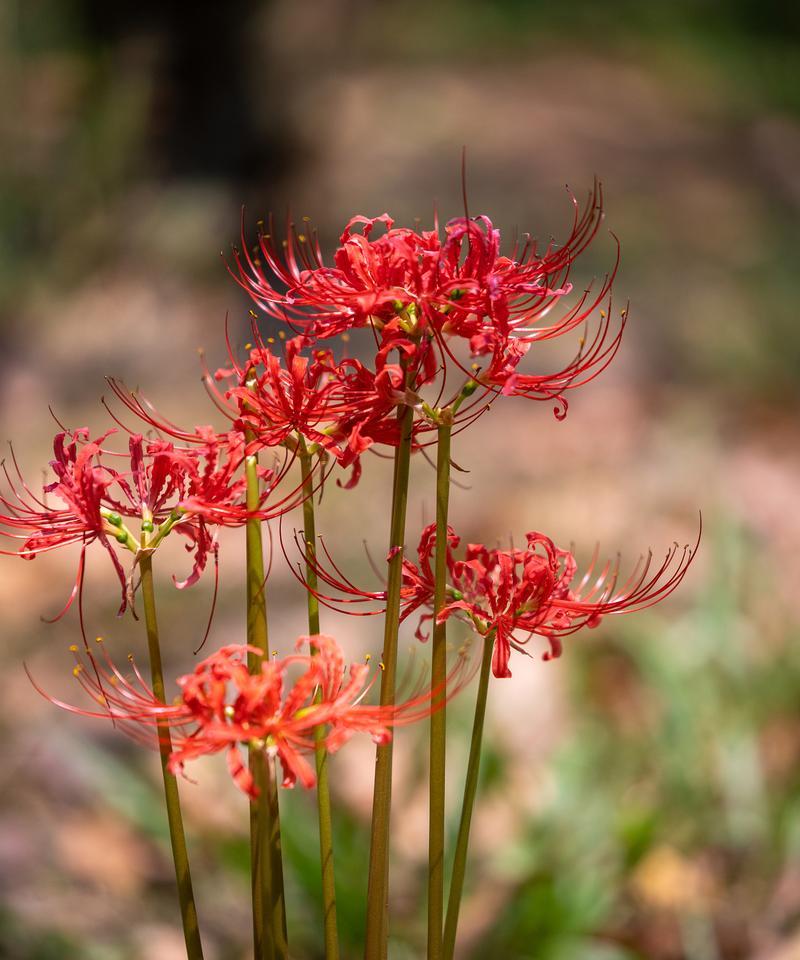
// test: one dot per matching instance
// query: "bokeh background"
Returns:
(640, 795)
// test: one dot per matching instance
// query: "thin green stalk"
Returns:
(323, 789)
(378, 883)
(269, 908)
(191, 932)
(260, 872)
(436, 824)
(470, 789)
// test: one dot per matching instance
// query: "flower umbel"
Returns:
(512, 595)
(429, 290)
(223, 707)
(162, 487)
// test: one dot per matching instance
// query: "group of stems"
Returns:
(269, 910)
(441, 933)
(376, 936)
(441, 928)
(266, 865)
(325, 819)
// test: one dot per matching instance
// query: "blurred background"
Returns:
(640, 795)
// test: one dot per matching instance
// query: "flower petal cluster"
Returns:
(278, 708)
(424, 291)
(96, 492)
(510, 596)
(81, 487)
(339, 408)
(513, 595)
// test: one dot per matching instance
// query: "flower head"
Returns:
(509, 596)
(222, 706)
(429, 290)
(98, 492)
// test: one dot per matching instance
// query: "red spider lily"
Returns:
(191, 490)
(222, 706)
(279, 400)
(86, 507)
(340, 408)
(424, 289)
(512, 595)
(200, 439)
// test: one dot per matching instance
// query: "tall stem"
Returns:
(436, 826)
(470, 789)
(191, 932)
(323, 788)
(378, 883)
(266, 867)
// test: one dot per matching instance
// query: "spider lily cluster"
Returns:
(448, 321)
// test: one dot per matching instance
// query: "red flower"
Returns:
(222, 706)
(427, 290)
(339, 408)
(87, 510)
(511, 595)
(188, 490)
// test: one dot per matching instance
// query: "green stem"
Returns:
(470, 789)
(323, 788)
(191, 932)
(436, 824)
(378, 883)
(269, 909)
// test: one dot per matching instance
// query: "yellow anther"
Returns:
(345, 338)
(274, 653)
(603, 314)
(257, 743)
(382, 665)
(306, 219)
(248, 346)
(130, 658)
(282, 335)
(73, 648)
(76, 671)
(270, 339)
(113, 681)
(475, 366)
(368, 657)
(253, 314)
(228, 711)
(301, 237)
(98, 639)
